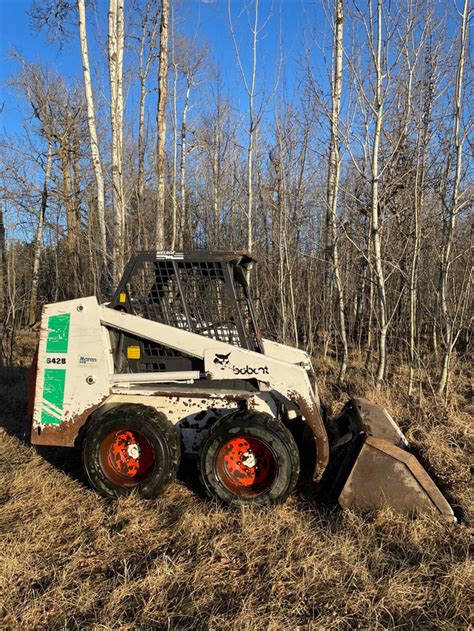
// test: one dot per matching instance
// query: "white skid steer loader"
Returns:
(175, 365)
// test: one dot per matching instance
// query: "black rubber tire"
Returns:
(266, 429)
(158, 431)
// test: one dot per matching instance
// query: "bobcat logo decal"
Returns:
(223, 360)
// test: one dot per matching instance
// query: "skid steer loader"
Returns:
(175, 366)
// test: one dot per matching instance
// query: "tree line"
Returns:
(352, 188)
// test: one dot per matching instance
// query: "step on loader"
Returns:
(175, 366)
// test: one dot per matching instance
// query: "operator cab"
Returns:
(203, 292)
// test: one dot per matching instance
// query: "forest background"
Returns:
(329, 139)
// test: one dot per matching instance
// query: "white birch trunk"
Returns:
(39, 240)
(334, 175)
(143, 71)
(3, 287)
(418, 202)
(216, 178)
(174, 184)
(422, 155)
(95, 153)
(174, 191)
(121, 193)
(450, 219)
(251, 139)
(161, 126)
(115, 49)
(141, 138)
(376, 238)
(182, 168)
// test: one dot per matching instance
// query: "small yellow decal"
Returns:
(123, 297)
(133, 352)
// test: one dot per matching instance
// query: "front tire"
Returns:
(131, 448)
(249, 458)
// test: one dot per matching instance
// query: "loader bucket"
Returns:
(385, 475)
(373, 468)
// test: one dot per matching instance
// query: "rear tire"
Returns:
(131, 448)
(249, 458)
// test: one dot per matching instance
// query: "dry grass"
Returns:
(71, 560)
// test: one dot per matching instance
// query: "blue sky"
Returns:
(206, 19)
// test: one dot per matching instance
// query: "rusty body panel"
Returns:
(72, 372)
(66, 434)
(191, 409)
(310, 411)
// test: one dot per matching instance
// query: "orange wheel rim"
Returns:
(246, 466)
(126, 457)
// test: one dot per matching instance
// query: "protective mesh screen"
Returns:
(193, 296)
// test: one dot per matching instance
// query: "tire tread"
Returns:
(147, 414)
(265, 421)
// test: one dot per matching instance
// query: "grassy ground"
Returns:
(72, 560)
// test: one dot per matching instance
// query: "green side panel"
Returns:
(53, 396)
(58, 334)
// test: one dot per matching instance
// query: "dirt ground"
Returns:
(73, 560)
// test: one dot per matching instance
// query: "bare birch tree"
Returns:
(182, 163)
(161, 126)
(39, 238)
(189, 66)
(423, 118)
(94, 142)
(3, 286)
(146, 56)
(453, 205)
(253, 117)
(334, 175)
(377, 244)
(174, 179)
(115, 50)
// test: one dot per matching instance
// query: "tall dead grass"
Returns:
(72, 560)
